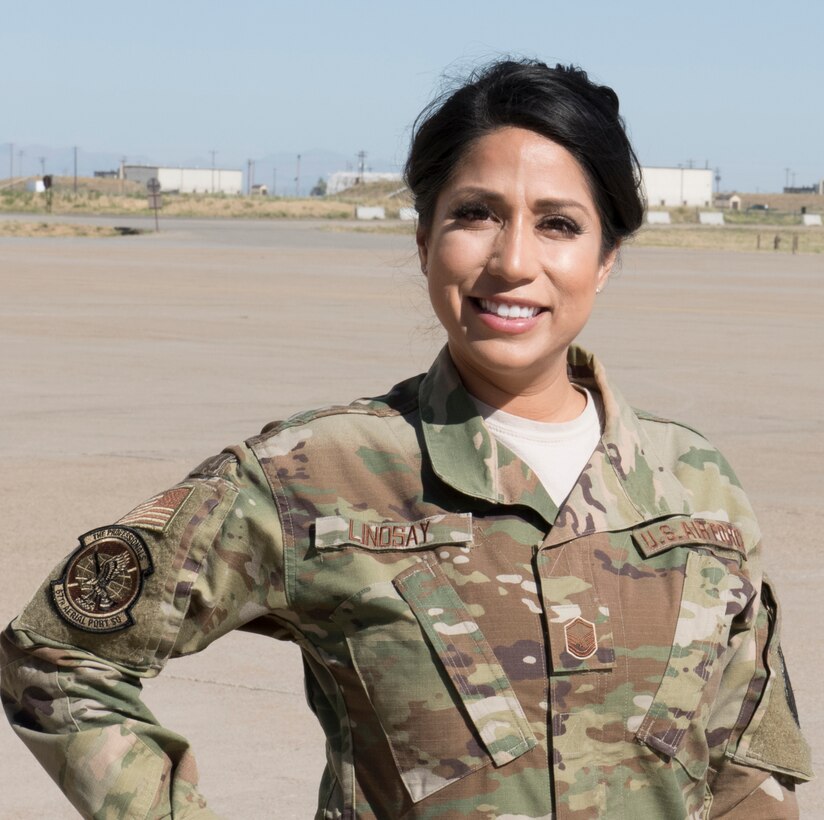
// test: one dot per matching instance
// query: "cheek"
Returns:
(576, 273)
(459, 255)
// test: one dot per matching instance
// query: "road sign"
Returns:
(154, 198)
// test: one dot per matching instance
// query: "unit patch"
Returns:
(157, 513)
(581, 641)
(103, 580)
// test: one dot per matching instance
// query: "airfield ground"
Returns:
(125, 361)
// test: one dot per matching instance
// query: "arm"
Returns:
(72, 691)
(83, 720)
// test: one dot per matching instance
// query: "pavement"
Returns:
(126, 361)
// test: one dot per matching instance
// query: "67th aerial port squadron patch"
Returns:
(103, 580)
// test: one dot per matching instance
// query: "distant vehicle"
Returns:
(758, 207)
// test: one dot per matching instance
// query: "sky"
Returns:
(732, 85)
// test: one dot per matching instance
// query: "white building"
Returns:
(672, 187)
(187, 180)
(663, 187)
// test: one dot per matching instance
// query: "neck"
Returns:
(550, 398)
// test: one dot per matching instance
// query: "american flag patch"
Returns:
(157, 513)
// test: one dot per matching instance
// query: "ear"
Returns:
(607, 265)
(423, 250)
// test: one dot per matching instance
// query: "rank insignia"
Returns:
(103, 580)
(581, 641)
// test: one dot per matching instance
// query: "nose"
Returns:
(514, 257)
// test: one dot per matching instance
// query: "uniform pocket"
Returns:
(442, 700)
(770, 737)
(674, 723)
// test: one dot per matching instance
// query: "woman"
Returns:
(515, 595)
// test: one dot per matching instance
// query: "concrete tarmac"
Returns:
(125, 362)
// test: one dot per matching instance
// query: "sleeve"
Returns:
(171, 576)
(763, 754)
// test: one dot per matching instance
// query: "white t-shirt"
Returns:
(556, 451)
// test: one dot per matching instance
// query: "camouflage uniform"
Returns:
(472, 651)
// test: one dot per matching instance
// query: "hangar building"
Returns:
(672, 187)
(187, 180)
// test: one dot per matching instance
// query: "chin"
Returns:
(510, 360)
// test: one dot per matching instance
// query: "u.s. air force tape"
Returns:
(103, 580)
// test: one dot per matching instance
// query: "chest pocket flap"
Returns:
(469, 661)
(711, 595)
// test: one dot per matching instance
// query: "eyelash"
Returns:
(471, 211)
(475, 211)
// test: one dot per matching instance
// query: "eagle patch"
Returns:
(103, 580)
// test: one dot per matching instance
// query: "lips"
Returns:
(507, 310)
(507, 318)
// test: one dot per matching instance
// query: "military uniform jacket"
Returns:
(472, 651)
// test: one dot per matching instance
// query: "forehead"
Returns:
(513, 155)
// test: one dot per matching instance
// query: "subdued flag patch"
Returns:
(157, 513)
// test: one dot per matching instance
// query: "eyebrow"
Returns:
(547, 202)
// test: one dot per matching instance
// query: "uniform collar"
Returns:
(623, 485)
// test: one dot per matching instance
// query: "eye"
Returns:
(558, 223)
(472, 212)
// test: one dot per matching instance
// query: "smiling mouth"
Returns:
(507, 311)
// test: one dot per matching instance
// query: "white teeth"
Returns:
(509, 311)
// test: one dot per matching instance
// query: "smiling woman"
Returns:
(513, 257)
(515, 595)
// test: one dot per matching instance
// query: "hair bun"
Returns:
(610, 98)
(603, 93)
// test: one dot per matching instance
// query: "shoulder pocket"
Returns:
(771, 738)
(171, 534)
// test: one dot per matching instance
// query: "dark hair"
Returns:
(559, 103)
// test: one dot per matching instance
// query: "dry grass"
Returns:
(392, 227)
(103, 197)
(685, 235)
(183, 205)
(730, 238)
(40, 229)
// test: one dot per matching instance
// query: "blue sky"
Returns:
(737, 84)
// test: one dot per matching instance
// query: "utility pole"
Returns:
(786, 177)
(274, 181)
(42, 166)
(213, 152)
(718, 180)
(11, 160)
(250, 175)
(20, 154)
(75, 170)
(297, 178)
(361, 164)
